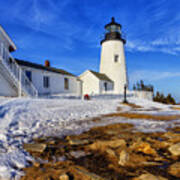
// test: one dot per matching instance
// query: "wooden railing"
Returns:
(18, 76)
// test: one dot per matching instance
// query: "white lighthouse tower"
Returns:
(113, 62)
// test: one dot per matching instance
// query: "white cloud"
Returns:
(158, 45)
(153, 28)
(138, 46)
(151, 75)
(160, 41)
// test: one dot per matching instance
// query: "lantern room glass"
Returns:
(113, 28)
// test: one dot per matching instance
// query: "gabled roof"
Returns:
(101, 76)
(39, 66)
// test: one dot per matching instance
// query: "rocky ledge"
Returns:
(113, 152)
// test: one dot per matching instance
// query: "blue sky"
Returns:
(68, 33)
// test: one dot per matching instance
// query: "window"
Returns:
(29, 75)
(116, 57)
(105, 86)
(46, 81)
(66, 83)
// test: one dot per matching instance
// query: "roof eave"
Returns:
(8, 38)
(39, 66)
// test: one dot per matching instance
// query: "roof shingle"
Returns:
(101, 76)
(39, 66)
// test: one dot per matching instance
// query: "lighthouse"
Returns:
(113, 62)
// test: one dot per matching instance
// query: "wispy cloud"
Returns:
(155, 27)
(151, 26)
(138, 46)
(151, 76)
(44, 16)
(159, 45)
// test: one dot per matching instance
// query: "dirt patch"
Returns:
(131, 115)
(119, 109)
(132, 105)
(175, 108)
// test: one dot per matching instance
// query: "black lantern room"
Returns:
(113, 32)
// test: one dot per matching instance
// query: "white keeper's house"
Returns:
(24, 78)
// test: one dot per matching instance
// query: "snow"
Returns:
(23, 119)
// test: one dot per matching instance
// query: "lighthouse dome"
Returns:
(113, 26)
(113, 32)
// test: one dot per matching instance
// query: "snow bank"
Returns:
(24, 119)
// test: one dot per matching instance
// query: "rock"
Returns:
(152, 164)
(149, 177)
(116, 143)
(110, 153)
(87, 175)
(64, 177)
(112, 132)
(77, 154)
(159, 158)
(38, 147)
(124, 158)
(36, 164)
(175, 149)
(159, 144)
(143, 147)
(172, 137)
(77, 142)
(174, 169)
(52, 142)
(103, 145)
(131, 159)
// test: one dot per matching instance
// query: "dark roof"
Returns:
(101, 76)
(39, 66)
(112, 23)
(113, 36)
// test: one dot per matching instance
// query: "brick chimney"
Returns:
(47, 63)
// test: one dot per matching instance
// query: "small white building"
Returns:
(95, 83)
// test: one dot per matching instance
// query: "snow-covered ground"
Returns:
(21, 120)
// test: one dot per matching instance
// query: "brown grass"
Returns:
(132, 105)
(119, 109)
(176, 108)
(144, 116)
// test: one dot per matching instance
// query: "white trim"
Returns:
(19, 83)
(84, 73)
(7, 37)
